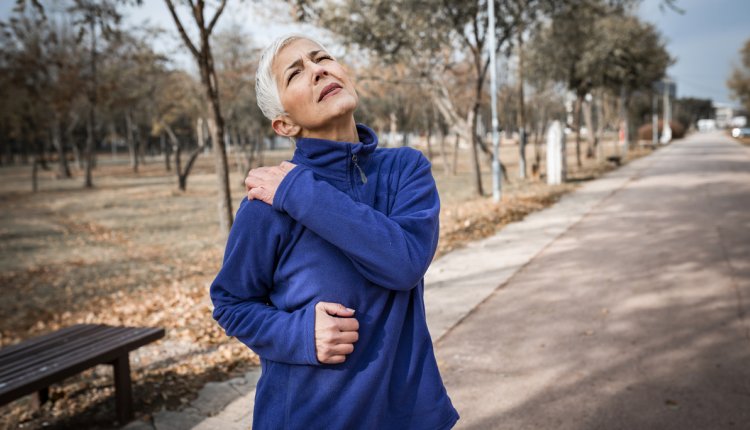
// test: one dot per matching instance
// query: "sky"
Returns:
(705, 39)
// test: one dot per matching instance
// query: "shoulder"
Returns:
(255, 216)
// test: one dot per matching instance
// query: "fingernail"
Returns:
(350, 310)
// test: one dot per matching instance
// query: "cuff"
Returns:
(309, 334)
(284, 187)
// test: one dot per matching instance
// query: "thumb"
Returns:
(336, 309)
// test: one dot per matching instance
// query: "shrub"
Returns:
(678, 130)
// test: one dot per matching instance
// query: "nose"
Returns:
(319, 72)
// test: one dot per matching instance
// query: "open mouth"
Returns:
(328, 89)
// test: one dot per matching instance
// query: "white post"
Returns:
(654, 119)
(666, 134)
(555, 153)
(496, 174)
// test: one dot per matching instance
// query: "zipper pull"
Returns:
(361, 173)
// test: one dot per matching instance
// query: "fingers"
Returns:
(335, 309)
(258, 193)
(348, 337)
(336, 332)
(336, 359)
(259, 177)
(347, 324)
(341, 349)
(335, 352)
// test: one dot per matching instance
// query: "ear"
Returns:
(284, 126)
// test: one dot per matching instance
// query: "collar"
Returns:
(331, 159)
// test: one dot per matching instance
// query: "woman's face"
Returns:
(315, 90)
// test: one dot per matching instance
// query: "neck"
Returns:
(340, 131)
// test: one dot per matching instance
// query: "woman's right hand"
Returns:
(335, 332)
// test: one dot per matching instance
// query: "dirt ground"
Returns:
(136, 251)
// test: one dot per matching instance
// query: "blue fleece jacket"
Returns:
(351, 225)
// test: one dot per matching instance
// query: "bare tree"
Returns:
(204, 58)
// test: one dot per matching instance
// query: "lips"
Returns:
(328, 89)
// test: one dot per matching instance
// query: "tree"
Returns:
(525, 18)
(739, 81)
(129, 76)
(177, 112)
(95, 18)
(236, 60)
(628, 55)
(40, 60)
(593, 44)
(204, 58)
(431, 38)
(688, 110)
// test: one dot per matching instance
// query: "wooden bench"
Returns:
(33, 365)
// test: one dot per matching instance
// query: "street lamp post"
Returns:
(496, 174)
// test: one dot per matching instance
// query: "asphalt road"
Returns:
(635, 318)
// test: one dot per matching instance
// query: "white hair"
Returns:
(266, 89)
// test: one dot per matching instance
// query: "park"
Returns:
(591, 269)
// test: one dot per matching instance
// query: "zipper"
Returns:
(361, 173)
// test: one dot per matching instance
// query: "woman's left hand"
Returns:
(261, 183)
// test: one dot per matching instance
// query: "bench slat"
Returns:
(116, 344)
(44, 353)
(31, 345)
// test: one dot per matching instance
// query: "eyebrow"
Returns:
(298, 63)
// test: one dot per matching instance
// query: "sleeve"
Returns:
(392, 251)
(240, 292)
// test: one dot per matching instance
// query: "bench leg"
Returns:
(123, 389)
(41, 397)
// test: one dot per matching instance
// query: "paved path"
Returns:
(462, 280)
(635, 317)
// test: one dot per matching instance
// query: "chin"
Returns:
(343, 106)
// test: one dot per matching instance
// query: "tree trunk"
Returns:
(165, 151)
(62, 159)
(521, 110)
(91, 126)
(392, 131)
(216, 128)
(34, 174)
(88, 155)
(182, 175)
(599, 103)
(579, 102)
(588, 119)
(455, 154)
(132, 144)
(443, 155)
(475, 152)
(429, 140)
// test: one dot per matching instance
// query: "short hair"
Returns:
(266, 89)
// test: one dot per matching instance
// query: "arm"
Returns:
(240, 293)
(393, 251)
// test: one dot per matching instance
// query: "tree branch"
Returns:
(183, 34)
(216, 16)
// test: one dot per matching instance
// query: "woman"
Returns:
(323, 270)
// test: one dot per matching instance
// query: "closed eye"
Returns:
(291, 75)
(317, 60)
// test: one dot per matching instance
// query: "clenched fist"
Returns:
(335, 332)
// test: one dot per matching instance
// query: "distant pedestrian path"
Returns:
(636, 317)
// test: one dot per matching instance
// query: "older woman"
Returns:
(323, 270)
